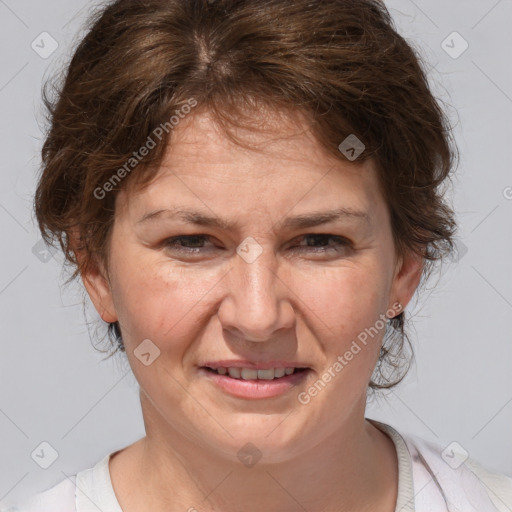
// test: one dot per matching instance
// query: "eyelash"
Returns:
(340, 241)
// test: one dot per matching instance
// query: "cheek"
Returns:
(344, 300)
(158, 302)
(344, 310)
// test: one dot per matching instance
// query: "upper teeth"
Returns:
(251, 373)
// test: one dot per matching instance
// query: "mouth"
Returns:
(254, 374)
(252, 383)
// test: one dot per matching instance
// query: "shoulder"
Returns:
(460, 479)
(498, 485)
(59, 498)
(75, 493)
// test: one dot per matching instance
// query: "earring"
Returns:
(392, 310)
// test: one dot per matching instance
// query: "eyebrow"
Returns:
(297, 222)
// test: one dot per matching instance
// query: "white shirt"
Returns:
(426, 483)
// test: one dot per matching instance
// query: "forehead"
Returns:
(269, 135)
(284, 168)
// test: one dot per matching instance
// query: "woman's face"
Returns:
(284, 258)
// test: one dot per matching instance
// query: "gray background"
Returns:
(54, 386)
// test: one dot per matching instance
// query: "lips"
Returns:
(248, 382)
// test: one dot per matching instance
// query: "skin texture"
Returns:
(292, 303)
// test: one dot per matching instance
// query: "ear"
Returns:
(95, 280)
(407, 277)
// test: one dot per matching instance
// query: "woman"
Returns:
(251, 194)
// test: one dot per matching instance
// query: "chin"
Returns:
(277, 437)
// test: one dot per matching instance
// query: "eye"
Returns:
(320, 243)
(315, 243)
(192, 244)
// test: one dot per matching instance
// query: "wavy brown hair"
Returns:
(340, 63)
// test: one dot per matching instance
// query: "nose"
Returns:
(256, 304)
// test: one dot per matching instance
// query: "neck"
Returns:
(353, 468)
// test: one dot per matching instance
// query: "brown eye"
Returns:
(323, 243)
(186, 243)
